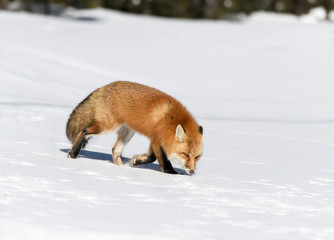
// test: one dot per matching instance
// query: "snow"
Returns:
(261, 88)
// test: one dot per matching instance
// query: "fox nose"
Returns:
(191, 172)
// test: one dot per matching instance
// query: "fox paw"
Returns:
(132, 162)
(118, 160)
(139, 159)
(72, 155)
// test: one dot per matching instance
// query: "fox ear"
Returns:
(180, 133)
(200, 130)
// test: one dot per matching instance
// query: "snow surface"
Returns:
(261, 88)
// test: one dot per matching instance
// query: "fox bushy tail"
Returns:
(81, 118)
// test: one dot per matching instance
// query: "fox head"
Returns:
(187, 148)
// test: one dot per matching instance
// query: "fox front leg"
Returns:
(144, 158)
(165, 164)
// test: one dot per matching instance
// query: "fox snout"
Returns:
(190, 170)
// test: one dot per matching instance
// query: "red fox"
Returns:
(128, 107)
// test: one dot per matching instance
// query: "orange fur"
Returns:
(142, 109)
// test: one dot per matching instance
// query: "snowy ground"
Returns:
(262, 89)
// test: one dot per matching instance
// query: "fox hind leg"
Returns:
(82, 139)
(124, 136)
(78, 144)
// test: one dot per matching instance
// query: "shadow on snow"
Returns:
(108, 157)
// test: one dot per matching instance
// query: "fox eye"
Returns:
(197, 157)
(185, 154)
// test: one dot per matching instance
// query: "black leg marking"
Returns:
(78, 144)
(167, 166)
(77, 148)
(143, 159)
